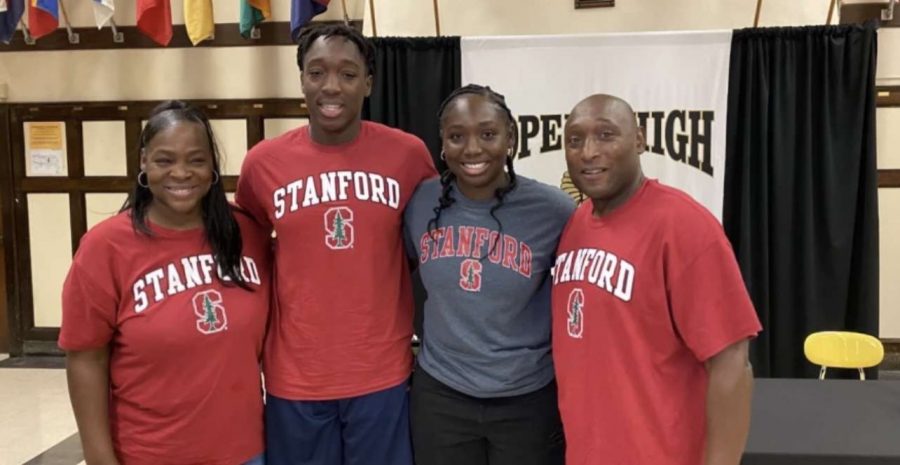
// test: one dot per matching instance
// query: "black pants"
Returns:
(452, 428)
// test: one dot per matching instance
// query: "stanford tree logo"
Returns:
(211, 317)
(575, 323)
(339, 228)
(470, 275)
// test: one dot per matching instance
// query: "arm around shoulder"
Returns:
(246, 196)
(427, 162)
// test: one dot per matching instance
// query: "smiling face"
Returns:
(335, 82)
(476, 139)
(178, 161)
(603, 146)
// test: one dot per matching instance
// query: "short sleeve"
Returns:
(255, 236)
(89, 311)
(246, 195)
(709, 301)
(426, 163)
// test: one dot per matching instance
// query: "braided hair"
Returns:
(447, 177)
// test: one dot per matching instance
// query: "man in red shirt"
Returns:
(651, 318)
(337, 356)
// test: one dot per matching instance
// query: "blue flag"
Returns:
(302, 11)
(10, 18)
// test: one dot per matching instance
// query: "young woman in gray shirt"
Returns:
(484, 239)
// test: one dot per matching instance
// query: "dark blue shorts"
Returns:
(371, 429)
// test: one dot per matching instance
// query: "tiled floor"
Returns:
(36, 413)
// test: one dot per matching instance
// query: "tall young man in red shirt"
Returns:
(337, 356)
(651, 318)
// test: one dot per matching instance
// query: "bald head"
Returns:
(603, 146)
(607, 107)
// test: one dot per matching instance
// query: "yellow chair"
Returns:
(843, 349)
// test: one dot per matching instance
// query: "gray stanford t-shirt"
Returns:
(487, 316)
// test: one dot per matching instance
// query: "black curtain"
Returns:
(800, 201)
(412, 77)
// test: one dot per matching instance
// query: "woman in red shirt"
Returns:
(164, 312)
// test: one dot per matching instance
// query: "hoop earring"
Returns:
(215, 178)
(146, 183)
(443, 156)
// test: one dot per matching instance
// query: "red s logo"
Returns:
(575, 323)
(339, 228)
(470, 275)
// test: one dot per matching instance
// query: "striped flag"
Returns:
(253, 12)
(103, 12)
(43, 17)
(154, 19)
(9, 19)
(198, 20)
(302, 12)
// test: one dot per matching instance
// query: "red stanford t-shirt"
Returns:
(641, 299)
(184, 363)
(343, 320)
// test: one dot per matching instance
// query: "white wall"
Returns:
(260, 72)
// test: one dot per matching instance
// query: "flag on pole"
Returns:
(103, 12)
(253, 12)
(154, 19)
(9, 19)
(43, 17)
(302, 12)
(198, 20)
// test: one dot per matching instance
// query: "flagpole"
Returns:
(758, 8)
(26, 34)
(830, 11)
(437, 18)
(73, 36)
(118, 37)
(372, 11)
(346, 17)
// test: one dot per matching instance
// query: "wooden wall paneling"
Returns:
(7, 270)
(854, 13)
(17, 258)
(888, 178)
(29, 339)
(132, 146)
(75, 155)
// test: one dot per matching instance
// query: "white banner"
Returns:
(676, 82)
